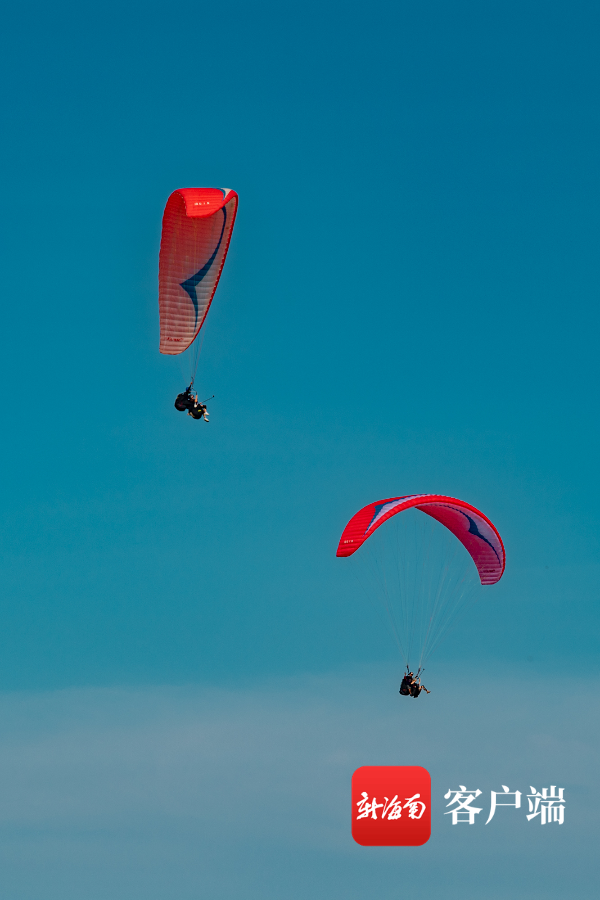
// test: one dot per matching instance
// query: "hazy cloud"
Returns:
(193, 792)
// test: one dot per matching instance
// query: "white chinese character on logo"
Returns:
(365, 808)
(392, 809)
(549, 806)
(463, 797)
(413, 803)
(495, 802)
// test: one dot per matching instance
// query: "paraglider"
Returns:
(411, 685)
(188, 400)
(196, 231)
(421, 572)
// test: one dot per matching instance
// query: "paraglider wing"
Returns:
(196, 231)
(469, 525)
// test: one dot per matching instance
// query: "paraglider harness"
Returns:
(188, 400)
(411, 684)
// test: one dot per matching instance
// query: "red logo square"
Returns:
(391, 806)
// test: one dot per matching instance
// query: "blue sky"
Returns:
(409, 304)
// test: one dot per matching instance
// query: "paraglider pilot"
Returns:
(189, 400)
(411, 685)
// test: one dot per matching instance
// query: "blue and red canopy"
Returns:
(468, 524)
(197, 226)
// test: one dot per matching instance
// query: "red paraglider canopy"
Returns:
(469, 525)
(197, 226)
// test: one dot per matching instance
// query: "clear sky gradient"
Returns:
(409, 304)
